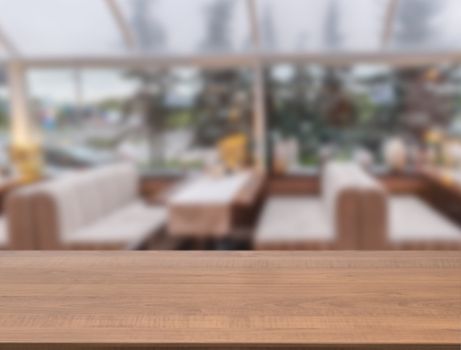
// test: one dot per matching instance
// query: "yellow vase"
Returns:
(27, 160)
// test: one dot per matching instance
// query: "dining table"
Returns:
(208, 206)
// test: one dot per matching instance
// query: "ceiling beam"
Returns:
(246, 60)
(396, 59)
(141, 60)
(388, 23)
(122, 24)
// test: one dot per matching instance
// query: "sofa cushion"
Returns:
(116, 184)
(89, 195)
(127, 227)
(412, 220)
(66, 205)
(294, 220)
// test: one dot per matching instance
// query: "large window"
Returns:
(162, 119)
(172, 120)
(317, 112)
(171, 110)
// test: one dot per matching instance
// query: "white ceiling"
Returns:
(76, 29)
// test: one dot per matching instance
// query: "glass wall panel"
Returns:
(88, 27)
(60, 27)
(192, 26)
(165, 120)
(55, 110)
(321, 25)
(316, 112)
(427, 25)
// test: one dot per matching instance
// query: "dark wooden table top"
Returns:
(90, 299)
(443, 180)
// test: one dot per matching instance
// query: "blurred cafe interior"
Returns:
(230, 124)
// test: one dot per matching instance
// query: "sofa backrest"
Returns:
(340, 191)
(18, 211)
(60, 207)
(374, 213)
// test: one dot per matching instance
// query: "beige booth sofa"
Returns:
(326, 222)
(402, 222)
(4, 236)
(94, 209)
(19, 226)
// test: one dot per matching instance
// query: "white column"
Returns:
(78, 90)
(259, 95)
(22, 127)
(259, 117)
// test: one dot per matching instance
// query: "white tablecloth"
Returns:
(211, 190)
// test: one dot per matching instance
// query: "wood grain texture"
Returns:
(404, 184)
(442, 195)
(436, 177)
(293, 185)
(365, 300)
(310, 185)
